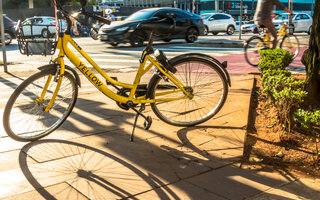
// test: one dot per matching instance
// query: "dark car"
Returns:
(188, 26)
(9, 29)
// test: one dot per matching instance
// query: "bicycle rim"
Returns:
(26, 120)
(291, 44)
(253, 49)
(201, 79)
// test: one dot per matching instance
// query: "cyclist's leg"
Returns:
(271, 30)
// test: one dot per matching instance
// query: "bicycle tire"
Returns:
(293, 45)
(252, 51)
(207, 83)
(25, 120)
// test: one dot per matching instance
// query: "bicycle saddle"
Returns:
(163, 26)
(261, 26)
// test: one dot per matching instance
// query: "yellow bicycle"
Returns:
(183, 91)
(255, 44)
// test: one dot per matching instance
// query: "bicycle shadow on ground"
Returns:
(72, 166)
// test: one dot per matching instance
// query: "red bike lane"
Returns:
(238, 65)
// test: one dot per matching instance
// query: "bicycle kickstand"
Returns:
(147, 122)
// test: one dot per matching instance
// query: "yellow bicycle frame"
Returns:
(282, 32)
(62, 45)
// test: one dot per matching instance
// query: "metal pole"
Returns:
(30, 3)
(290, 7)
(4, 53)
(241, 5)
(216, 6)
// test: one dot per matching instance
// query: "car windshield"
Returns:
(205, 16)
(283, 17)
(140, 15)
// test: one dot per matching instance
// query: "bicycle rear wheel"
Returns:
(25, 120)
(291, 44)
(201, 78)
(252, 50)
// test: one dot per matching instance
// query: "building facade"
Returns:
(232, 7)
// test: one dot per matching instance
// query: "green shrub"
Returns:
(284, 91)
(306, 118)
(274, 59)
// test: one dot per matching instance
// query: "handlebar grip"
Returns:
(101, 19)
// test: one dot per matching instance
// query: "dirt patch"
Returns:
(268, 147)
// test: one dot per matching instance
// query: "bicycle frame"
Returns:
(282, 32)
(62, 45)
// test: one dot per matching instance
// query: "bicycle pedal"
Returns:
(114, 78)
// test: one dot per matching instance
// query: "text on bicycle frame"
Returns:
(89, 74)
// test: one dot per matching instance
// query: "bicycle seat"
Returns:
(262, 26)
(162, 26)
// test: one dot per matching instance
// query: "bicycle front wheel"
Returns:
(252, 50)
(24, 117)
(291, 44)
(201, 78)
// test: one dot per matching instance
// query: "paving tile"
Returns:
(233, 182)
(59, 191)
(10, 160)
(300, 189)
(179, 190)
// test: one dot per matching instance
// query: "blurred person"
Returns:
(263, 16)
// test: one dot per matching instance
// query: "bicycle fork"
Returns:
(57, 78)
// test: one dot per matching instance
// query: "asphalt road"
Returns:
(126, 58)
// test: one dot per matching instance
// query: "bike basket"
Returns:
(36, 39)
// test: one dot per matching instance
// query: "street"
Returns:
(126, 58)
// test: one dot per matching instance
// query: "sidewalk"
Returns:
(91, 157)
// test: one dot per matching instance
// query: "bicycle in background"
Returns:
(256, 44)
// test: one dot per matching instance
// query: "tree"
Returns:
(311, 58)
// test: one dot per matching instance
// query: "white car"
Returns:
(250, 27)
(302, 22)
(238, 24)
(41, 26)
(218, 22)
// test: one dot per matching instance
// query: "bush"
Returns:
(284, 91)
(271, 59)
(306, 118)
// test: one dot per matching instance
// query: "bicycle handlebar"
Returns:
(94, 16)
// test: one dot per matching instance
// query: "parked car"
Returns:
(238, 24)
(41, 26)
(218, 22)
(188, 26)
(302, 22)
(9, 29)
(250, 27)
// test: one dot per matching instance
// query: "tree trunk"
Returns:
(311, 58)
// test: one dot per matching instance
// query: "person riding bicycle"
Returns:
(263, 16)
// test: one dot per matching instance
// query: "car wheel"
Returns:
(230, 30)
(167, 40)
(215, 33)
(114, 44)
(192, 35)
(44, 33)
(137, 39)
(206, 30)
(310, 29)
(7, 38)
